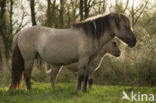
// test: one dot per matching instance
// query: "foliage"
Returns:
(67, 93)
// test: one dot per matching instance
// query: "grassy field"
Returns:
(67, 93)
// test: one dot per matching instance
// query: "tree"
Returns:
(61, 13)
(50, 13)
(87, 5)
(81, 9)
(0, 60)
(32, 6)
(136, 13)
(120, 8)
(4, 29)
(11, 15)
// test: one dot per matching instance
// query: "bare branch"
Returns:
(141, 12)
(20, 26)
(118, 6)
(126, 6)
(96, 3)
(137, 10)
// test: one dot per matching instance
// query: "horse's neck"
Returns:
(95, 62)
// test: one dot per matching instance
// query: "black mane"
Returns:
(95, 27)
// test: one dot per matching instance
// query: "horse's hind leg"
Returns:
(53, 74)
(27, 72)
(28, 63)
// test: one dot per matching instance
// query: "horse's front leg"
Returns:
(85, 79)
(80, 78)
(82, 73)
(53, 74)
(90, 78)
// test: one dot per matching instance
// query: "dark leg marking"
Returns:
(85, 83)
(90, 82)
(27, 80)
(80, 79)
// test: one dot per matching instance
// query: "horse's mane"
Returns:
(96, 26)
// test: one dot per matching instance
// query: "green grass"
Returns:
(67, 93)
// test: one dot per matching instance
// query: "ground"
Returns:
(67, 93)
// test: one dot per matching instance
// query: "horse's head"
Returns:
(112, 48)
(122, 29)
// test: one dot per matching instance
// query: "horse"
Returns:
(110, 47)
(58, 47)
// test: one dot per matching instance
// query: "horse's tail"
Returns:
(17, 68)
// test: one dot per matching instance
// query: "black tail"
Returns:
(17, 69)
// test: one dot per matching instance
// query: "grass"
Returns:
(67, 93)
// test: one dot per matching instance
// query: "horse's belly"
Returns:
(56, 57)
(59, 60)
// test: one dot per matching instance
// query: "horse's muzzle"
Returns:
(132, 42)
(117, 54)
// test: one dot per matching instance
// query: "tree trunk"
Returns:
(32, 6)
(3, 29)
(2, 16)
(86, 7)
(50, 13)
(4, 34)
(10, 14)
(7, 45)
(49, 23)
(0, 61)
(61, 13)
(81, 9)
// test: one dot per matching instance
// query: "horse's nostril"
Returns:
(132, 42)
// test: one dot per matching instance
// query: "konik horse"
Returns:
(80, 43)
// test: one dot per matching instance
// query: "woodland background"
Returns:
(135, 66)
